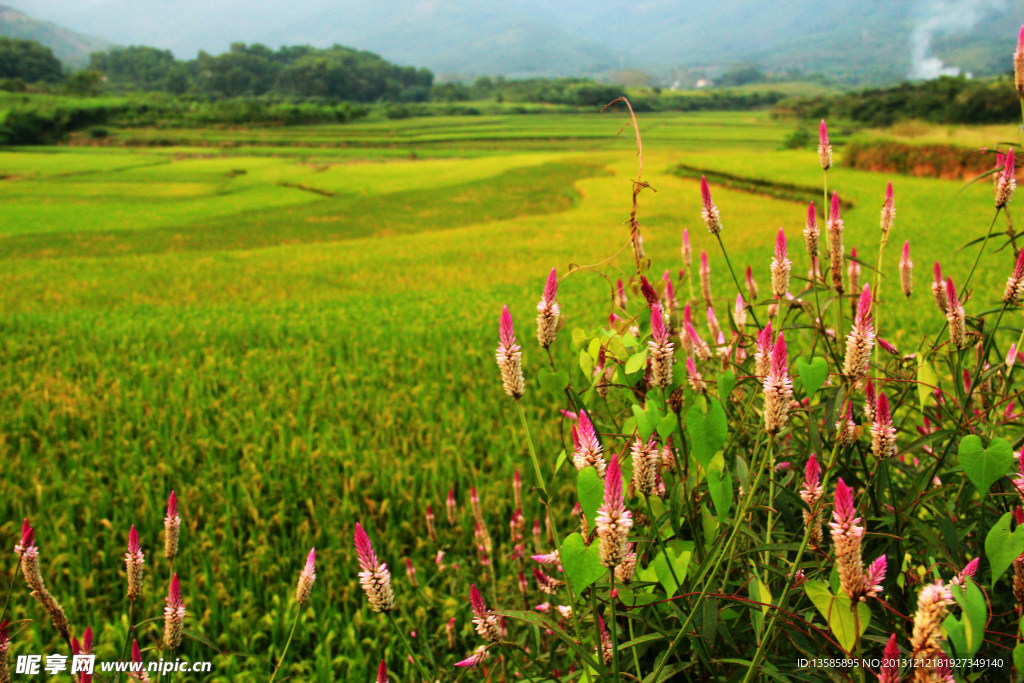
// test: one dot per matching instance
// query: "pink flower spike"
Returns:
(648, 291)
(823, 134)
(780, 358)
(479, 655)
(367, 559)
(1009, 166)
(874, 576)
(890, 669)
(709, 212)
(953, 301)
(812, 216)
(136, 651)
(704, 261)
(687, 314)
(620, 294)
(28, 537)
(1011, 356)
(844, 509)
(888, 195)
(658, 331)
(968, 572)
(133, 541)
(780, 245)
(812, 473)
(551, 287)
(937, 272)
(172, 506)
(864, 307)
(174, 592)
(834, 209)
(906, 250)
(382, 673)
(613, 499)
(506, 333)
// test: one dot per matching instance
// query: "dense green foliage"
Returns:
(943, 100)
(28, 61)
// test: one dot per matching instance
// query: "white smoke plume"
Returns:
(942, 18)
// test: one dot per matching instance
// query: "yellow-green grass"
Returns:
(300, 366)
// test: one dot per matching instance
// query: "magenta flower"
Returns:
(713, 326)
(708, 211)
(450, 505)
(705, 278)
(139, 674)
(824, 147)
(486, 622)
(853, 270)
(83, 648)
(861, 340)
(812, 233)
(382, 673)
(620, 294)
(835, 243)
(925, 641)
(687, 252)
(134, 563)
(659, 350)
(547, 584)
(873, 577)
(955, 316)
(939, 287)
(174, 614)
(172, 527)
(906, 270)
(1011, 357)
(670, 294)
(890, 669)
(883, 433)
(888, 214)
(739, 312)
(547, 312)
(694, 377)
(588, 450)
(606, 649)
(1018, 64)
(781, 266)
(751, 285)
(1007, 181)
(847, 535)
(778, 389)
(479, 655)
(967, 572)
(509, 358)
(810, 493)
(1015, 283)
(306, 578)
(613, 519)
(375, 577)
(647, 289)
(763, 352)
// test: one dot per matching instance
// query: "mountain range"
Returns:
(850, 41)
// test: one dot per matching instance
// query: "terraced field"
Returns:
(294, 329)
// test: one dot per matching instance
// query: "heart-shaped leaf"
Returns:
(636, 362)
(643, 422)
(672, 564)
(759, 592)
(581, 563)
(725, 385)
(926, 380)
(590, 490)
(720, 488)
(554, 382)
(968, 632)
(812, 374)
(708, 432)
(837, 612)
(984, 466)
(666, 426)
(1003, 547)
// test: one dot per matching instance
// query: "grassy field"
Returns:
(294, 329)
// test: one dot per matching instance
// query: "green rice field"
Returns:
(294, 329)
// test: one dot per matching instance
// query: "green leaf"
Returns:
(643, 422)
(586, 364)
(590, 490)
(759, 592)
(837, 612)
(579, 337)
(984, 466)
(631, 598)
(726, 383)
(968, 632)
(666, 426)
(582, 563)
(636, 362)
(554, 382)
(720, 488)
(670, 565)
(1018, 657)
(812, 374)
(708, 432)
(1003, 547)
(926, 379)
(560, 460)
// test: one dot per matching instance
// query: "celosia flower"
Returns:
(883, 433)
(375, 577)
(847, 535)
(613, 519)
(705, 278)
(853, 270)
(869, 400)
(479, 655)
(429, 517)
(606, 650)
(139, 674)
(713, 326)
(861, 340)
(382, 673)
(846, 428)
(708, 210)
(172, 526)
(1007, 182)
(1011, 357)
(888, 214)
(83, 648)
(811, 232)
(174, 614)
(620, 294)
(693, 340)
(835, 243)
(778, 389)
(824, 148)
(967, 572)
(781, 266)
(486, 622)
(624, 572)
(307, 577)
(955, 316)
(890, 669)
(547, 312)
(810, 493)
(687, 251)
(939, 288)
(547, 584)
(669, 297)
(450, 505)
(1018, 481)
(1018, 64)
(509, 357)
(763, 352)
(587, 451)
(1015, 283)
(739, 313)
(751, 285)
(932, 604)
(646, 462)
(410, 573)
(647, 289)
(906, 270)
(5, 647)
(693, 376)
(659, 350)
(874, 577)
(134, 562)
(28, 553)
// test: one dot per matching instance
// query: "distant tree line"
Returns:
(944, 100)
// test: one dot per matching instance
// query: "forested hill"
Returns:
(73, 49)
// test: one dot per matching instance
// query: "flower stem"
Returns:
(408, 647)
(128, 635)
(735, 279)
(613, 627)
(287, 644)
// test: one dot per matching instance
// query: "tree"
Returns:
(29, 61)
